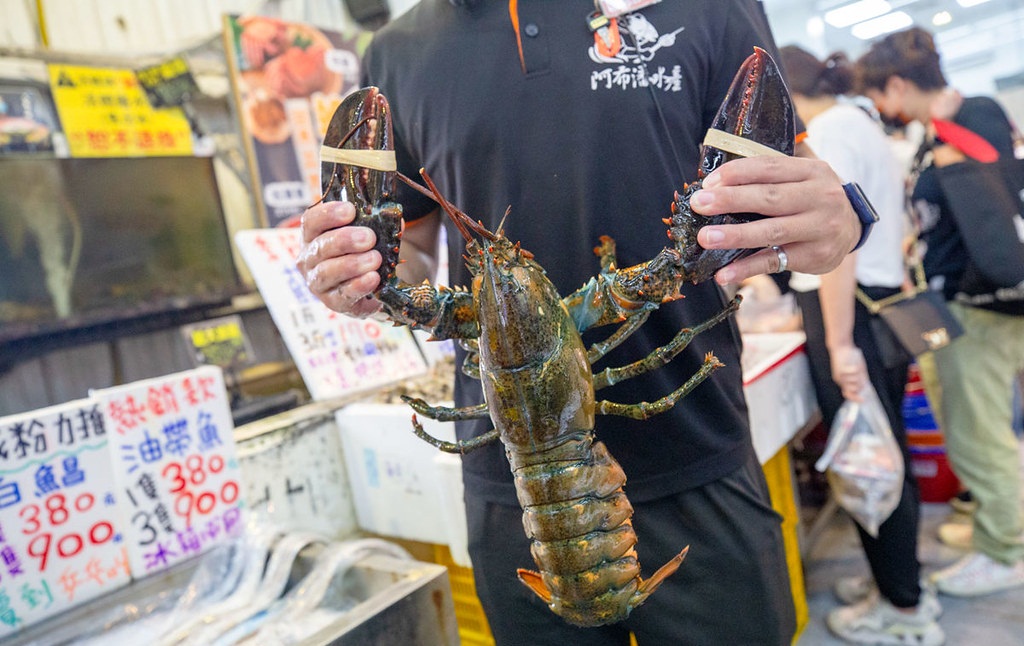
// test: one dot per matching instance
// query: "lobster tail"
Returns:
(583, 539)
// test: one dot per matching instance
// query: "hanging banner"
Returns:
(173, 454)
(335, 354)
(288, 78)
(61, 531)
(106, 113)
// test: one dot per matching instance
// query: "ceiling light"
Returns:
(882, 25)
(970, 3)
(942, 18)
(856, 12)
(815, 27)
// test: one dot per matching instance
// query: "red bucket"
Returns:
(935, 478)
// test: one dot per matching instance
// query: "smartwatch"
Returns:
(862, 207)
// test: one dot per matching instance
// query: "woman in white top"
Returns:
(854, 347)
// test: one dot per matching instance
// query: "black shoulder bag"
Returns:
(919, 319)
(986, 201)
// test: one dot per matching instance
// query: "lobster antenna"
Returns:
(501, 225)
(461, 220)
(437, 198)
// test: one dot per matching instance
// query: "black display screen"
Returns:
(86, 242)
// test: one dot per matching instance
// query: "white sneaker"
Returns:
(876, 621)
(976, 574)
(957, 535)
(851, 590)
(854, 589)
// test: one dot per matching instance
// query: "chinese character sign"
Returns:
(172, 446)
(61, 531)
(336, 354)
(288, 78)
(105, 113)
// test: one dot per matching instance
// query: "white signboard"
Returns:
(173, 456)
(61, 532)
(335, 354)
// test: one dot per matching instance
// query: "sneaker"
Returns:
(976, 574)
(851, 590)
(963, 502)
(854, 589)
(876, 621)
(957, 535)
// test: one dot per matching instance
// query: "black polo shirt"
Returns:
(580, 145)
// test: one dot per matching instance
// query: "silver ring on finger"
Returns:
(783, 258)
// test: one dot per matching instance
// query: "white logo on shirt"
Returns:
(640, 42)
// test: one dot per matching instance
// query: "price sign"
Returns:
(173, 453)
(61, 531)
(219, 342)
(335, 354)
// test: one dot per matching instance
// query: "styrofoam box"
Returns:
(401, 487)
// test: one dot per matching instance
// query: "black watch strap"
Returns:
(862, 207)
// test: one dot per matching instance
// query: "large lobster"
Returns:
(526, 348)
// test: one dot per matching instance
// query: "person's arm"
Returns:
(809, 214)
(418, 254)
(837, 295)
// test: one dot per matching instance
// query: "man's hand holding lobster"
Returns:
(808, 213)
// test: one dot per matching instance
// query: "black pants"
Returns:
(733, 588)
(892, 555)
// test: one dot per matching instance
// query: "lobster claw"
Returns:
(362, 122)
(357, 164)
(757, 108)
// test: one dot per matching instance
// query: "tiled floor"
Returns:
(994, 620)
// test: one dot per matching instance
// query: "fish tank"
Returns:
(89, 242)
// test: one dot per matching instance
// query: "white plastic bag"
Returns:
(864, 462)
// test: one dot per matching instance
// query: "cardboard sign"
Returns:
(61, 531)
(335, 354)
(172, 447)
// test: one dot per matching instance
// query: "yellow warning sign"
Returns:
(105, 113)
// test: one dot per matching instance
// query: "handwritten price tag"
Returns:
(335, 354)
(173, 452)
(60, 528)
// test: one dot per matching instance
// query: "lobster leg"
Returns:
(661, 356)
(601, 348)
(606, 252)
(645, 410)
(462, 446)
(446, 413)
